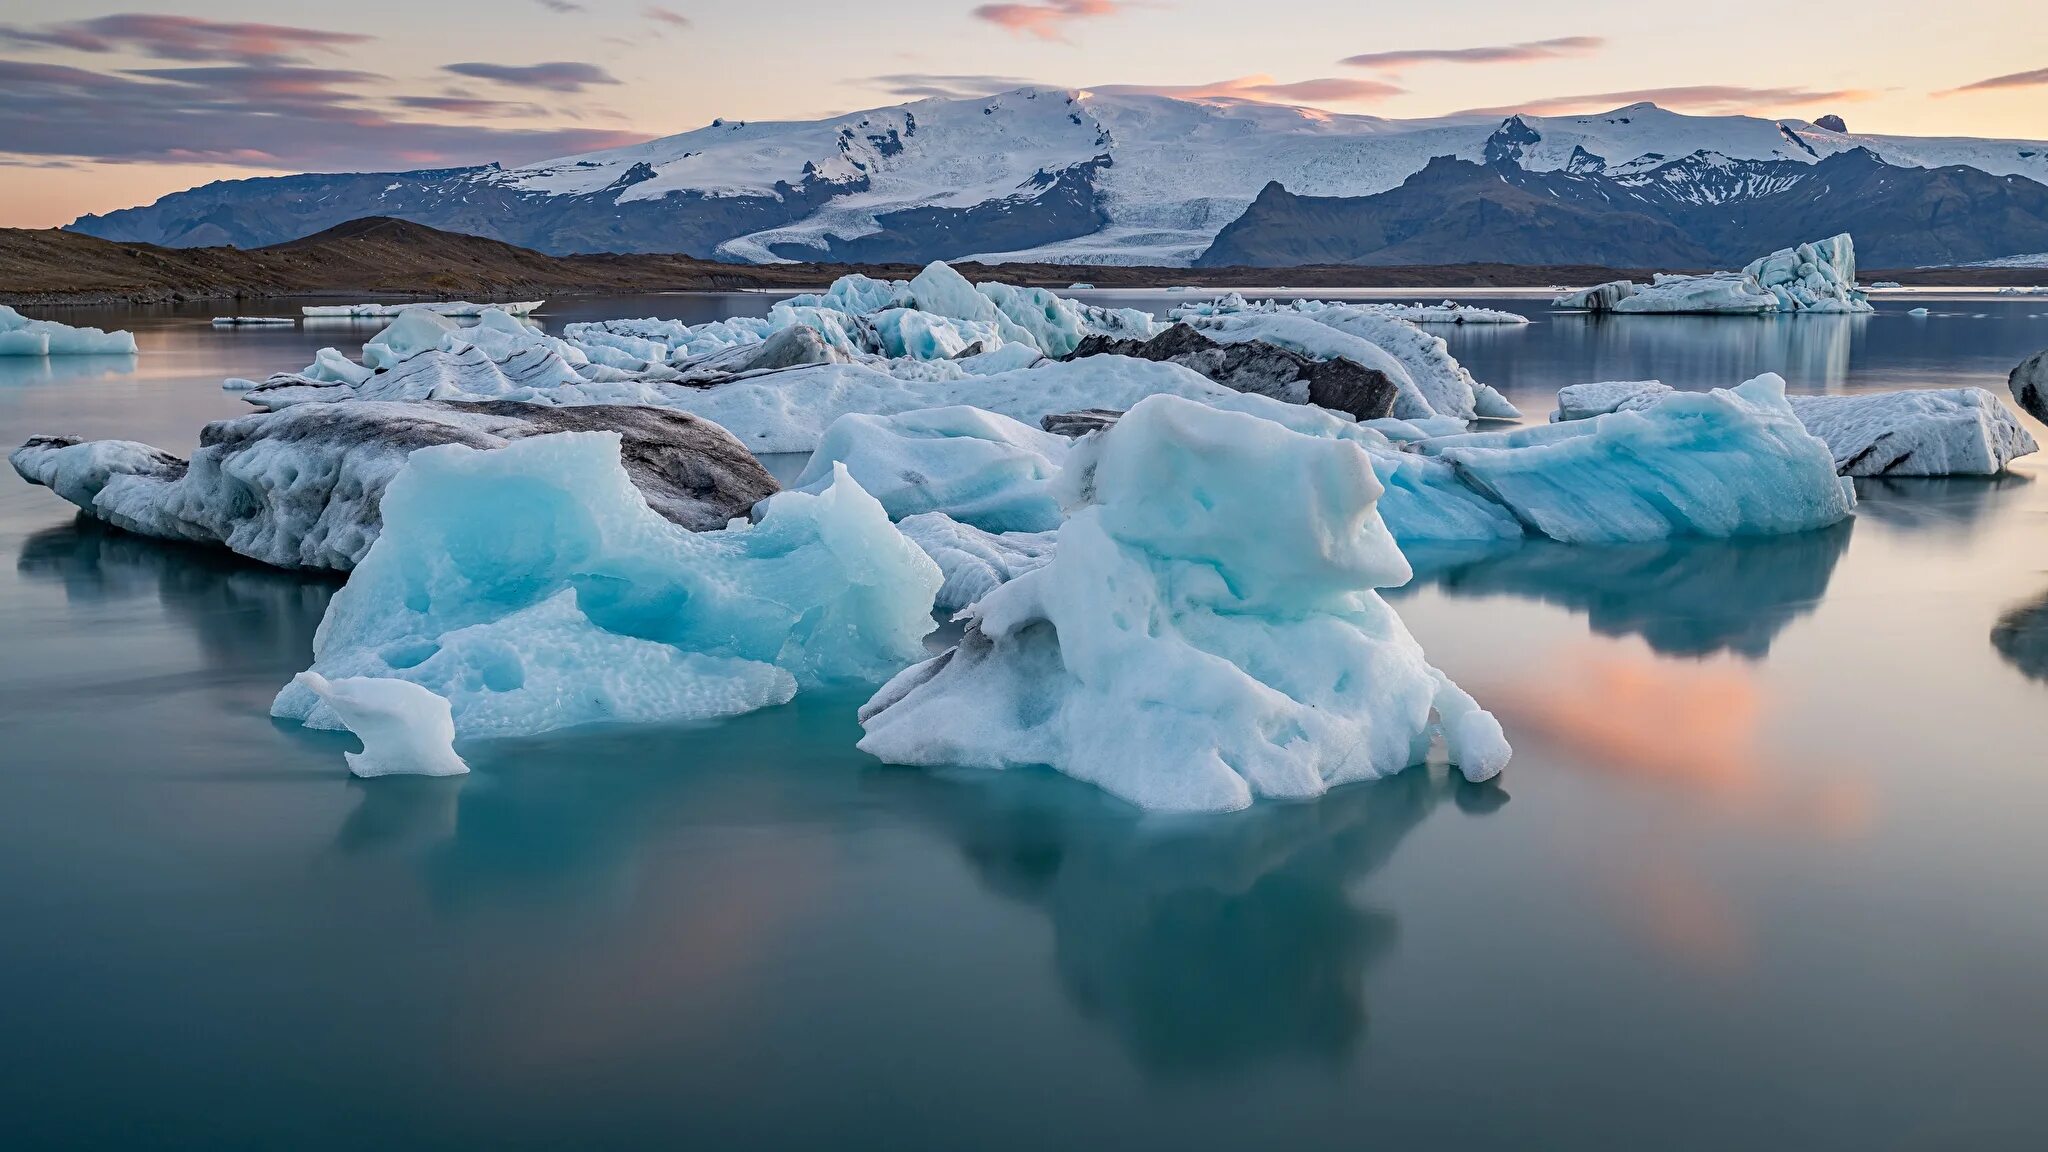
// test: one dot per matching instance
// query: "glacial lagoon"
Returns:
(1767, 859)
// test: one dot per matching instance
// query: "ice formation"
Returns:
(973, 562)
(1944, 432)
(448, 308)
(301, 488)
(21, 336)
(1584, 401)
(534, 589)
(2029, 385)
(976, 467)
(1206, 634)
(1733, 462)
(1816, 277)
(1935, 432)
(405, 729)
(254, 322)
(1261, 368)
(1434, 383)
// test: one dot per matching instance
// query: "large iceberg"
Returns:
(1928, 432)
(21, 336)
(1206, 634)
(1815, 277)
(301, 488)
(1733, 462)
(533, 588)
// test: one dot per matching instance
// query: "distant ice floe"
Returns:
(447, 308)
(21, 336)
(1206, 633)
(1733, 462)
(1928, 432)
(533, 588)
(254, 322)
(1816, 277)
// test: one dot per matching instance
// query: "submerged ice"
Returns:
(1206, 634)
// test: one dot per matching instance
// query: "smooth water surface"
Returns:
(1766, 871)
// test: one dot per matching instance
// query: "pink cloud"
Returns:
(2036, 78)
(1713, 99)
(1265, 90)
(1486, 54)
(1045, 19)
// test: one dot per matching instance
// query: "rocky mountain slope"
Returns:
(1082, 177)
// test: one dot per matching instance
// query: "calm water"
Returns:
(1766, 871)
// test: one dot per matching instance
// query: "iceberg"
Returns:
(302, 487)
(533, 588)
(254, 322)
(1205, 635)
(1815, 277)
(1933, 432)
(1733, 462)
(975, 563)
(21, 336)
(1260, 368)
(446, 308)
(977, 467)
(405, 729)
(1307, 337)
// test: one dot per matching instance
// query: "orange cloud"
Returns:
(1708, 99)
(1047, 19)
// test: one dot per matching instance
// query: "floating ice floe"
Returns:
(533, 588)
(1261, 368)
(1816, 277)
(21, 336)
(446, 308)
(1732, 462)
(1206, 634)
(1932, 432)
(1917, 312)
(405, 729)
(254, 322)
(301, 488)
(1448, 312)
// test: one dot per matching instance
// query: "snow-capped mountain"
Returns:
(1033, 174)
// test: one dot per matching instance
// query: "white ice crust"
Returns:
(21, 336)
(534, 589)
(405, 729)
(1207, 633)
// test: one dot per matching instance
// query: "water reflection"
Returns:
(1684, 597)
(24, 371)
(2021, 636)
(1956, 507)
(245, 616)
(1211, 946)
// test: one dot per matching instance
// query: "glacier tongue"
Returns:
(1206, 634)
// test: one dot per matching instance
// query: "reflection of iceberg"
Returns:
(1207, 946)
(1684, 597)
(2021, 636)
(246, 617)
(1954, 505)
(25, 370)
(1692, 352)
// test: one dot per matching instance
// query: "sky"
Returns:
(106, 106)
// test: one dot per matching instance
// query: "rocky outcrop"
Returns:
(2029, 383)
(300, 487)
(1262, 368)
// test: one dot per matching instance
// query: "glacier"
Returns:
(1732, 462)
(21, 336)
(405, 729)
(533, 588)
(1207, 633)
(302, 487)
(1815, 277)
